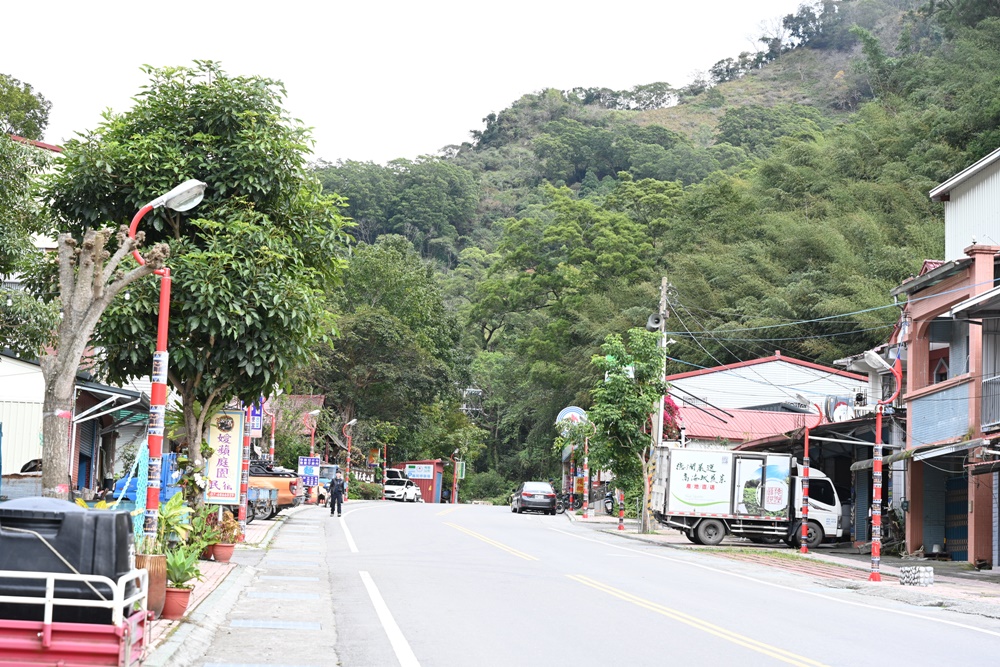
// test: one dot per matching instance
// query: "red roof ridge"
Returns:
(37, 144)
(776, 357)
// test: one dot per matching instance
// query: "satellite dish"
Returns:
(838, 408)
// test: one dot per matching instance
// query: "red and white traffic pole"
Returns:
(586, 475)
(876, 575)
(454, 479)
(804, 548)
(620, 497)
(244, 475)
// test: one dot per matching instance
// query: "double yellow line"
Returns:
(498, 545)
(697, 623)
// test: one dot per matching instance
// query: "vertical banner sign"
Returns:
(309, 470)
(257, 420)
(225, 436)
(373, 457)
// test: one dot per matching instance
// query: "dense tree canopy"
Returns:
(250, 262)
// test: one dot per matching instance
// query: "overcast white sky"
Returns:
(376, 79)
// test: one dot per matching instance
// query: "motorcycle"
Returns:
(564, 500)
(609, 502)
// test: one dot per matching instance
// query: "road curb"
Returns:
(193, 637)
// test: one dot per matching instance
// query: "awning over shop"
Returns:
(979, 305)
(921, 453)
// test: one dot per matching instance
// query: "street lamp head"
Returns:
(876, 361)
(352, 422)
(314, 413)
(184, 197)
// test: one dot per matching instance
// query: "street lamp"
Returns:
(273, 414)
(876, 361)
(184, 197)
(311, 425)
(804, 548)
(347, 434)
(454, 478)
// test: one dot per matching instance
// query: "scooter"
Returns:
(609, 502)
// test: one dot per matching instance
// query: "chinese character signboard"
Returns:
(700, 481)
(225, 436)
(309, 470)
(257, 420)
(420, 471)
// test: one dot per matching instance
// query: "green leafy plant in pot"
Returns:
(182, 572)
(172, 527)
(229, 532)
(204, 531)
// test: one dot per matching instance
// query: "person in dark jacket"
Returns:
(336, 494)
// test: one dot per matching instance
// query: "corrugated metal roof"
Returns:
(739, 425)
(942, 191)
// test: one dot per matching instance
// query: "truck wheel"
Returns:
(710, 532)
(691, 536)
(814, 535)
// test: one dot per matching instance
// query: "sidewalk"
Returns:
(259, 534)
(957, 585)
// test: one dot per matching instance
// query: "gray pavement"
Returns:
(958, 586)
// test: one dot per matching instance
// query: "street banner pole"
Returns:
(244, 476)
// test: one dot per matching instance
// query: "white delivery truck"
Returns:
(710, 493)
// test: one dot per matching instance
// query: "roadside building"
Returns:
(951, 336)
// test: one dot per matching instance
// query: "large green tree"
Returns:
(23, 110)
(250, 263)
(623, 402)
(396, 345)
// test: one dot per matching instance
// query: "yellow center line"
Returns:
(498, 545)
(704, 626)
(447, 511)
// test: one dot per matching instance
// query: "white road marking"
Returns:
(347, 534)
(785, 588)
(399, 644)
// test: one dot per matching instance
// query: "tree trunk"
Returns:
(88, 281)
(57, 420)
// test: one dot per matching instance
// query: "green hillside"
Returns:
(783, 197)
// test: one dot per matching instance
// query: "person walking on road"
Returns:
(336, 494)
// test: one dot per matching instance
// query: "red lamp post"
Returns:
(184, 197)
(804, 548)
(875, 361)
(347, 430)
(274, 419)
(454, 478)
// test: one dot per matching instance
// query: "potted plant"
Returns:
(151, 553)
(182, 570)
(204, 531)
(229, 532)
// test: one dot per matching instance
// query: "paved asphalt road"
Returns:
(422, 584)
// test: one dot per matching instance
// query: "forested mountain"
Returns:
(783, 196)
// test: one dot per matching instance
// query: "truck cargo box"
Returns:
(93, 542)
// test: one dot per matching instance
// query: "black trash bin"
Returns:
(92, 541)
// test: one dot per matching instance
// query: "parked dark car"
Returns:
(534, 496)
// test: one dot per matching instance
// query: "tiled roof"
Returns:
(739, 425)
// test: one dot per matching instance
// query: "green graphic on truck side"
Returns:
(690, 504)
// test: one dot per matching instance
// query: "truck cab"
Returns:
(824, 505)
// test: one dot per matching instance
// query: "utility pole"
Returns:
(657, 418)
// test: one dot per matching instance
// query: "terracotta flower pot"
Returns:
(176, 603)
(223, 552)
(156, 566)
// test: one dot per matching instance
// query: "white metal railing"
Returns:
(118, 603)
(991, 402)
